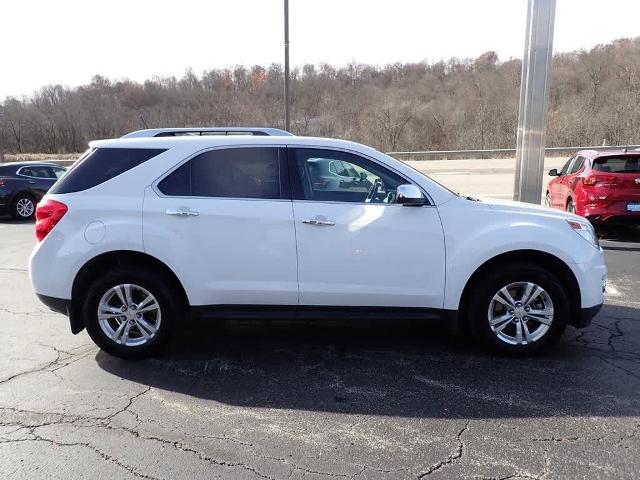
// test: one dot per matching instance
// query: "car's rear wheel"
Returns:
(519, 308)
(23, 207)
(130, 312)
(571, 207)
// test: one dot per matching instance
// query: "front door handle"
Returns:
(183, 212)
(32, 182)
(317, 221)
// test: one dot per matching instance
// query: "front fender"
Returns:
(475, 233)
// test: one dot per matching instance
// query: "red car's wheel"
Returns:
(570, 207)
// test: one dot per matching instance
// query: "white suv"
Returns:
(145, 229)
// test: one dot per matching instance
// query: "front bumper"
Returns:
(586, 315)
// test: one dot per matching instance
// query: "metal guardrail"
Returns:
(500, 151)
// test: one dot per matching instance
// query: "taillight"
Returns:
(600, 180)
(48, 214)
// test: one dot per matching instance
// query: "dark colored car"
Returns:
(23, 184)
(602, 186)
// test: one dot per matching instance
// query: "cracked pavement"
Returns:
(313, 400)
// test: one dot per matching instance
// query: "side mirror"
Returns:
(554, 172)
(410, 195)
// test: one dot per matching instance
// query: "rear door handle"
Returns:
(183, 212)
(32, 181)
(317, 221)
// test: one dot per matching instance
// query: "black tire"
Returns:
(570, 207)
(18, 201)
(149, 279)
(484, 289)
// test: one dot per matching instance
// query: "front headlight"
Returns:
(586, 231)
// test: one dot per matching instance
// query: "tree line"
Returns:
(454, 104)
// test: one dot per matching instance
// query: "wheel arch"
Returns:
(107, 260)
(26, 192)
(545, 259)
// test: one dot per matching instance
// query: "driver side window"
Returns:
(334, 176)
(565, 168)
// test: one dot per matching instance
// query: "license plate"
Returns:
(633, 207)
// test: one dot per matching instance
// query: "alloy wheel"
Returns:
(520, 313)
(129, 315)
(571, 208)
(25, 207)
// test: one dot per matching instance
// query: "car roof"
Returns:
(202, 142)
(591, 154)
(29, 164)
(173, 132)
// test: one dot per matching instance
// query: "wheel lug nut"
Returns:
(526, 309)
(510, 312)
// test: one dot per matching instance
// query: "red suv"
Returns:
(601, 186)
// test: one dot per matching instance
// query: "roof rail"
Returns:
(175, 132)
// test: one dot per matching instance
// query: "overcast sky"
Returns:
(68, 41)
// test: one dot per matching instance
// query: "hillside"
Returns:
(470, 103)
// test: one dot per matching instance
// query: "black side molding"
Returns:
(319, 312)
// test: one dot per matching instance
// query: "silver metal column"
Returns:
(534, 97)
(1, 134)
(286, 65)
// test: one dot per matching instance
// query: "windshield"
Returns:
(625, 164)
(457, 194)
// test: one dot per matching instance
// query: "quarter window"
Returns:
(102, 164)
(230, 173)
(334, 176)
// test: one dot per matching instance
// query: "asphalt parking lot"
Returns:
(279, 400)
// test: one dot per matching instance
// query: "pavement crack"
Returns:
(457, 454)
(103, 455)
(132, 399)
(63, 359)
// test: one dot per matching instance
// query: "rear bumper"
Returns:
(63, 306)
(586, 315)
(58, 305)
(611, 213)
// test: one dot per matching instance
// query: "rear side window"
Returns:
(625, 164)
(100, 165)
(230, 173)
(37, 171)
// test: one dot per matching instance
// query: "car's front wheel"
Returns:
(23, 207)
(519, 308)
(129, 312)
